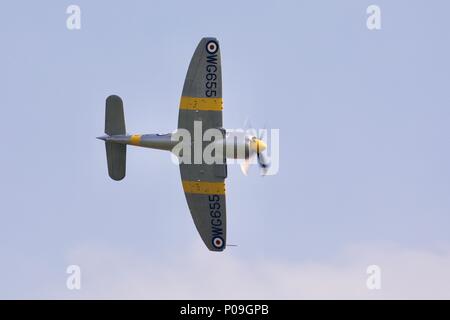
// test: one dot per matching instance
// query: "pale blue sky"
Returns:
(363, 118)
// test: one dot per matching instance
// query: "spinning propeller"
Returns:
(256, 146)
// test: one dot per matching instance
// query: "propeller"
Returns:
(262, 160)
(258, 146)
(245, 166)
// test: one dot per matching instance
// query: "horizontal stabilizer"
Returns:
(114, 116)
(116, 155)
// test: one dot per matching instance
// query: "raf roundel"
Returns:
(218, 242)
(212, 46)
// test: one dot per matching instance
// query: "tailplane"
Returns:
(116, 154)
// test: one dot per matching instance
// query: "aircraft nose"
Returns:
(258, 145)
(261, 145)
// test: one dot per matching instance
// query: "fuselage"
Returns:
(236, 145)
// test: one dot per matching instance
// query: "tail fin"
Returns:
(116, 154)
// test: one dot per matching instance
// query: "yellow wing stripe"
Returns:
(201, 104)
(203, 187)
(135, 139)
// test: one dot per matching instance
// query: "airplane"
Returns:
(203, 183)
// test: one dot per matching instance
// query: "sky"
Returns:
(364, 175)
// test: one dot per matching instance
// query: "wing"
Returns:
(206, 201)
(201, 99)
(204, 184)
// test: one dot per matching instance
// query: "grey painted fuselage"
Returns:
(235, 147)
(153, 141)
